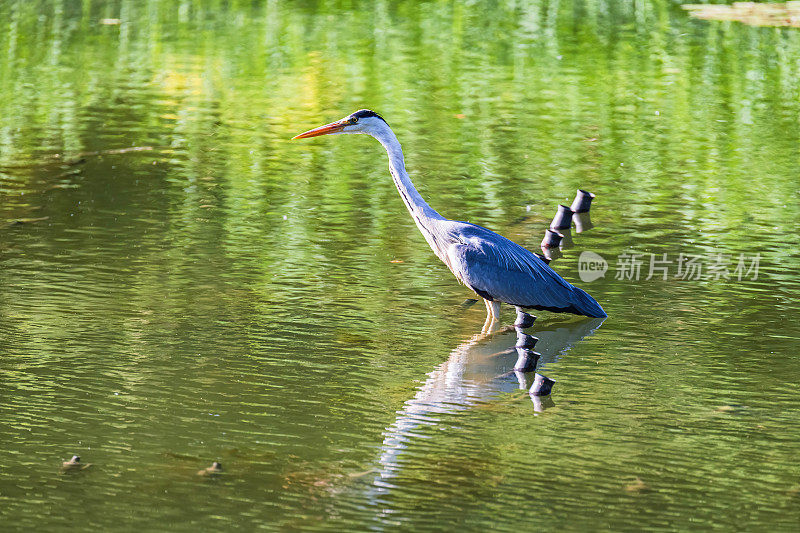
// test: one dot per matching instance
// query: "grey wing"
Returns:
(499, 269)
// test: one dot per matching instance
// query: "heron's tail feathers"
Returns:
(586, 305)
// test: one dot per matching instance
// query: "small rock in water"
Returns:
(74, 464)
(525, 341)
(213, 470)
(524, 320)
(562, 219)
(552, 239)
(526, 361)
(582, 202)
(542, 385)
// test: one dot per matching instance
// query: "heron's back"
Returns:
(499, 269)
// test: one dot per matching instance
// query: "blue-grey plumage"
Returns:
(497, 269)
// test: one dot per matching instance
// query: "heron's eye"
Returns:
(353, 120)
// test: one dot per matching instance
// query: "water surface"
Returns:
(180, 283)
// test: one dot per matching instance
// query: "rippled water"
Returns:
(179, 283)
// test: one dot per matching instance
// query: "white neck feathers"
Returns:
(418, 207)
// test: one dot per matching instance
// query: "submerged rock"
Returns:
(74, 464)
(213, 470)
(637, 486)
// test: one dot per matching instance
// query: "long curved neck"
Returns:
(419, 208)
(425, 217)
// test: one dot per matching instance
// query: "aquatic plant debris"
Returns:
(751, 13)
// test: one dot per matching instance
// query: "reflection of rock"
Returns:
(583, 222)
(523, 376)
(551, 253)
(540, 403)
(566, 241)
(525, 341)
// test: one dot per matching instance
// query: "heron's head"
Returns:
(362, 121)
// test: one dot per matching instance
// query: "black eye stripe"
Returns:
(365, 113)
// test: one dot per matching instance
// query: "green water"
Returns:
(180, 283)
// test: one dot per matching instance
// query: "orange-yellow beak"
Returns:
(333, 127)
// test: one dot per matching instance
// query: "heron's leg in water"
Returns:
(492, 316)
(488, 321)
(524, 320)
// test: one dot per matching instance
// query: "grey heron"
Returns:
(497, 269)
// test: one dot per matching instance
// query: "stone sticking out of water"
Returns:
(551, 239)
(563, 218)
(542, 386)
(526, 360)
(582, 202)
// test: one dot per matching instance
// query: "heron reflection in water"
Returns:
(476, 371)
(497, 269)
